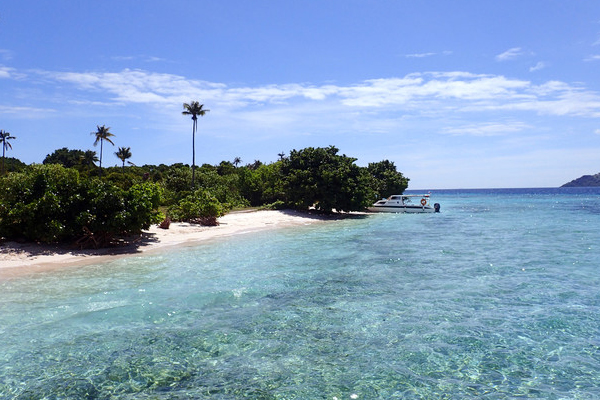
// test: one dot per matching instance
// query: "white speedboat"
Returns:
(405, 203)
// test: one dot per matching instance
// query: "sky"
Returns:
(458, 94)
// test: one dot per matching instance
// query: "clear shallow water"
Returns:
(496, 297)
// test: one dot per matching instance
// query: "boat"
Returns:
(405, 203)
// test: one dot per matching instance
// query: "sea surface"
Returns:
(496, 297)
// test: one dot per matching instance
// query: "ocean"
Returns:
(496, 297)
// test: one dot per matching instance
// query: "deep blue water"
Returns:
(495, 297)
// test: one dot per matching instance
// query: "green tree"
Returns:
(237, 161)
(386, 179)
(225, 168)
(65, 157)
(4, 139)
(102, 133)
(321, 178)
(14, 164)
(50, 203)
(194, 109)
(123, 154)
(199, 205)
(89, 159)
(263, 185)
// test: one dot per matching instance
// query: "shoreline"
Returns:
(17, 259)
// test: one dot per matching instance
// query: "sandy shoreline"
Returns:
(16, 258)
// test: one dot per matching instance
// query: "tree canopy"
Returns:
(102, 134)
(5, 138)
(61, 200)
(321, 178)
(50, 203)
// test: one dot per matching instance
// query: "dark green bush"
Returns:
(200, 204)
(321, 178)
(50, 203)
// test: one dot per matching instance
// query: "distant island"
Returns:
(584, 181)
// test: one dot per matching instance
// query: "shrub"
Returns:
(50, 203)
(200, 204)
(321, 178)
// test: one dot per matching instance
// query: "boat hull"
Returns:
(402, 209)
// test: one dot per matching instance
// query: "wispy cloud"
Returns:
(510, 54)
(540, 65)
(431, 92)
(430, 54)
(6, 55)
(5, 72)
(27, 112)
(143, 58)
(486, 129)
(419, 55)
(593, 57)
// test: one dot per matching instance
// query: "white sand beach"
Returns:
(17, 258)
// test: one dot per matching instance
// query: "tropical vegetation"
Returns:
(64, 199)
(194, 109)
(51, 203)
(68, 198)
(4, 139)
(102, 134)
(123, 154)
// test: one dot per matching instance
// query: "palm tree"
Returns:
(236, 161)
(102, 134)
(124, 153)
(194, 109)
(4, 138)
(88, 159)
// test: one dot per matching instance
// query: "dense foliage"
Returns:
(321, 178)
(67, 198)
(50, 203)
(200, 204)
(12, 164)
(386, 180)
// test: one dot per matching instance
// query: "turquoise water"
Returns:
(495, 297)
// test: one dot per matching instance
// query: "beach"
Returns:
(16, 258)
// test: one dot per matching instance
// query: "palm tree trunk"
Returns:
(194, 152)
(101, 156)
(3, 150)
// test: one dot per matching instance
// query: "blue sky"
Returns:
(458, 94)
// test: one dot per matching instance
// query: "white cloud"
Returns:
(540, 65)
(6, 54)
(597, 131)
(142, 58)
(593, 57)
(423, 93)
(509, 54)
(430, 54)
(26, 112)
(4, 72)
(419, 55)
(486, 129)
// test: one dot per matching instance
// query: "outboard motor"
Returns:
(436, 207)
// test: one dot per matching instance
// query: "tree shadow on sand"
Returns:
(126, 245)
(312, 214)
